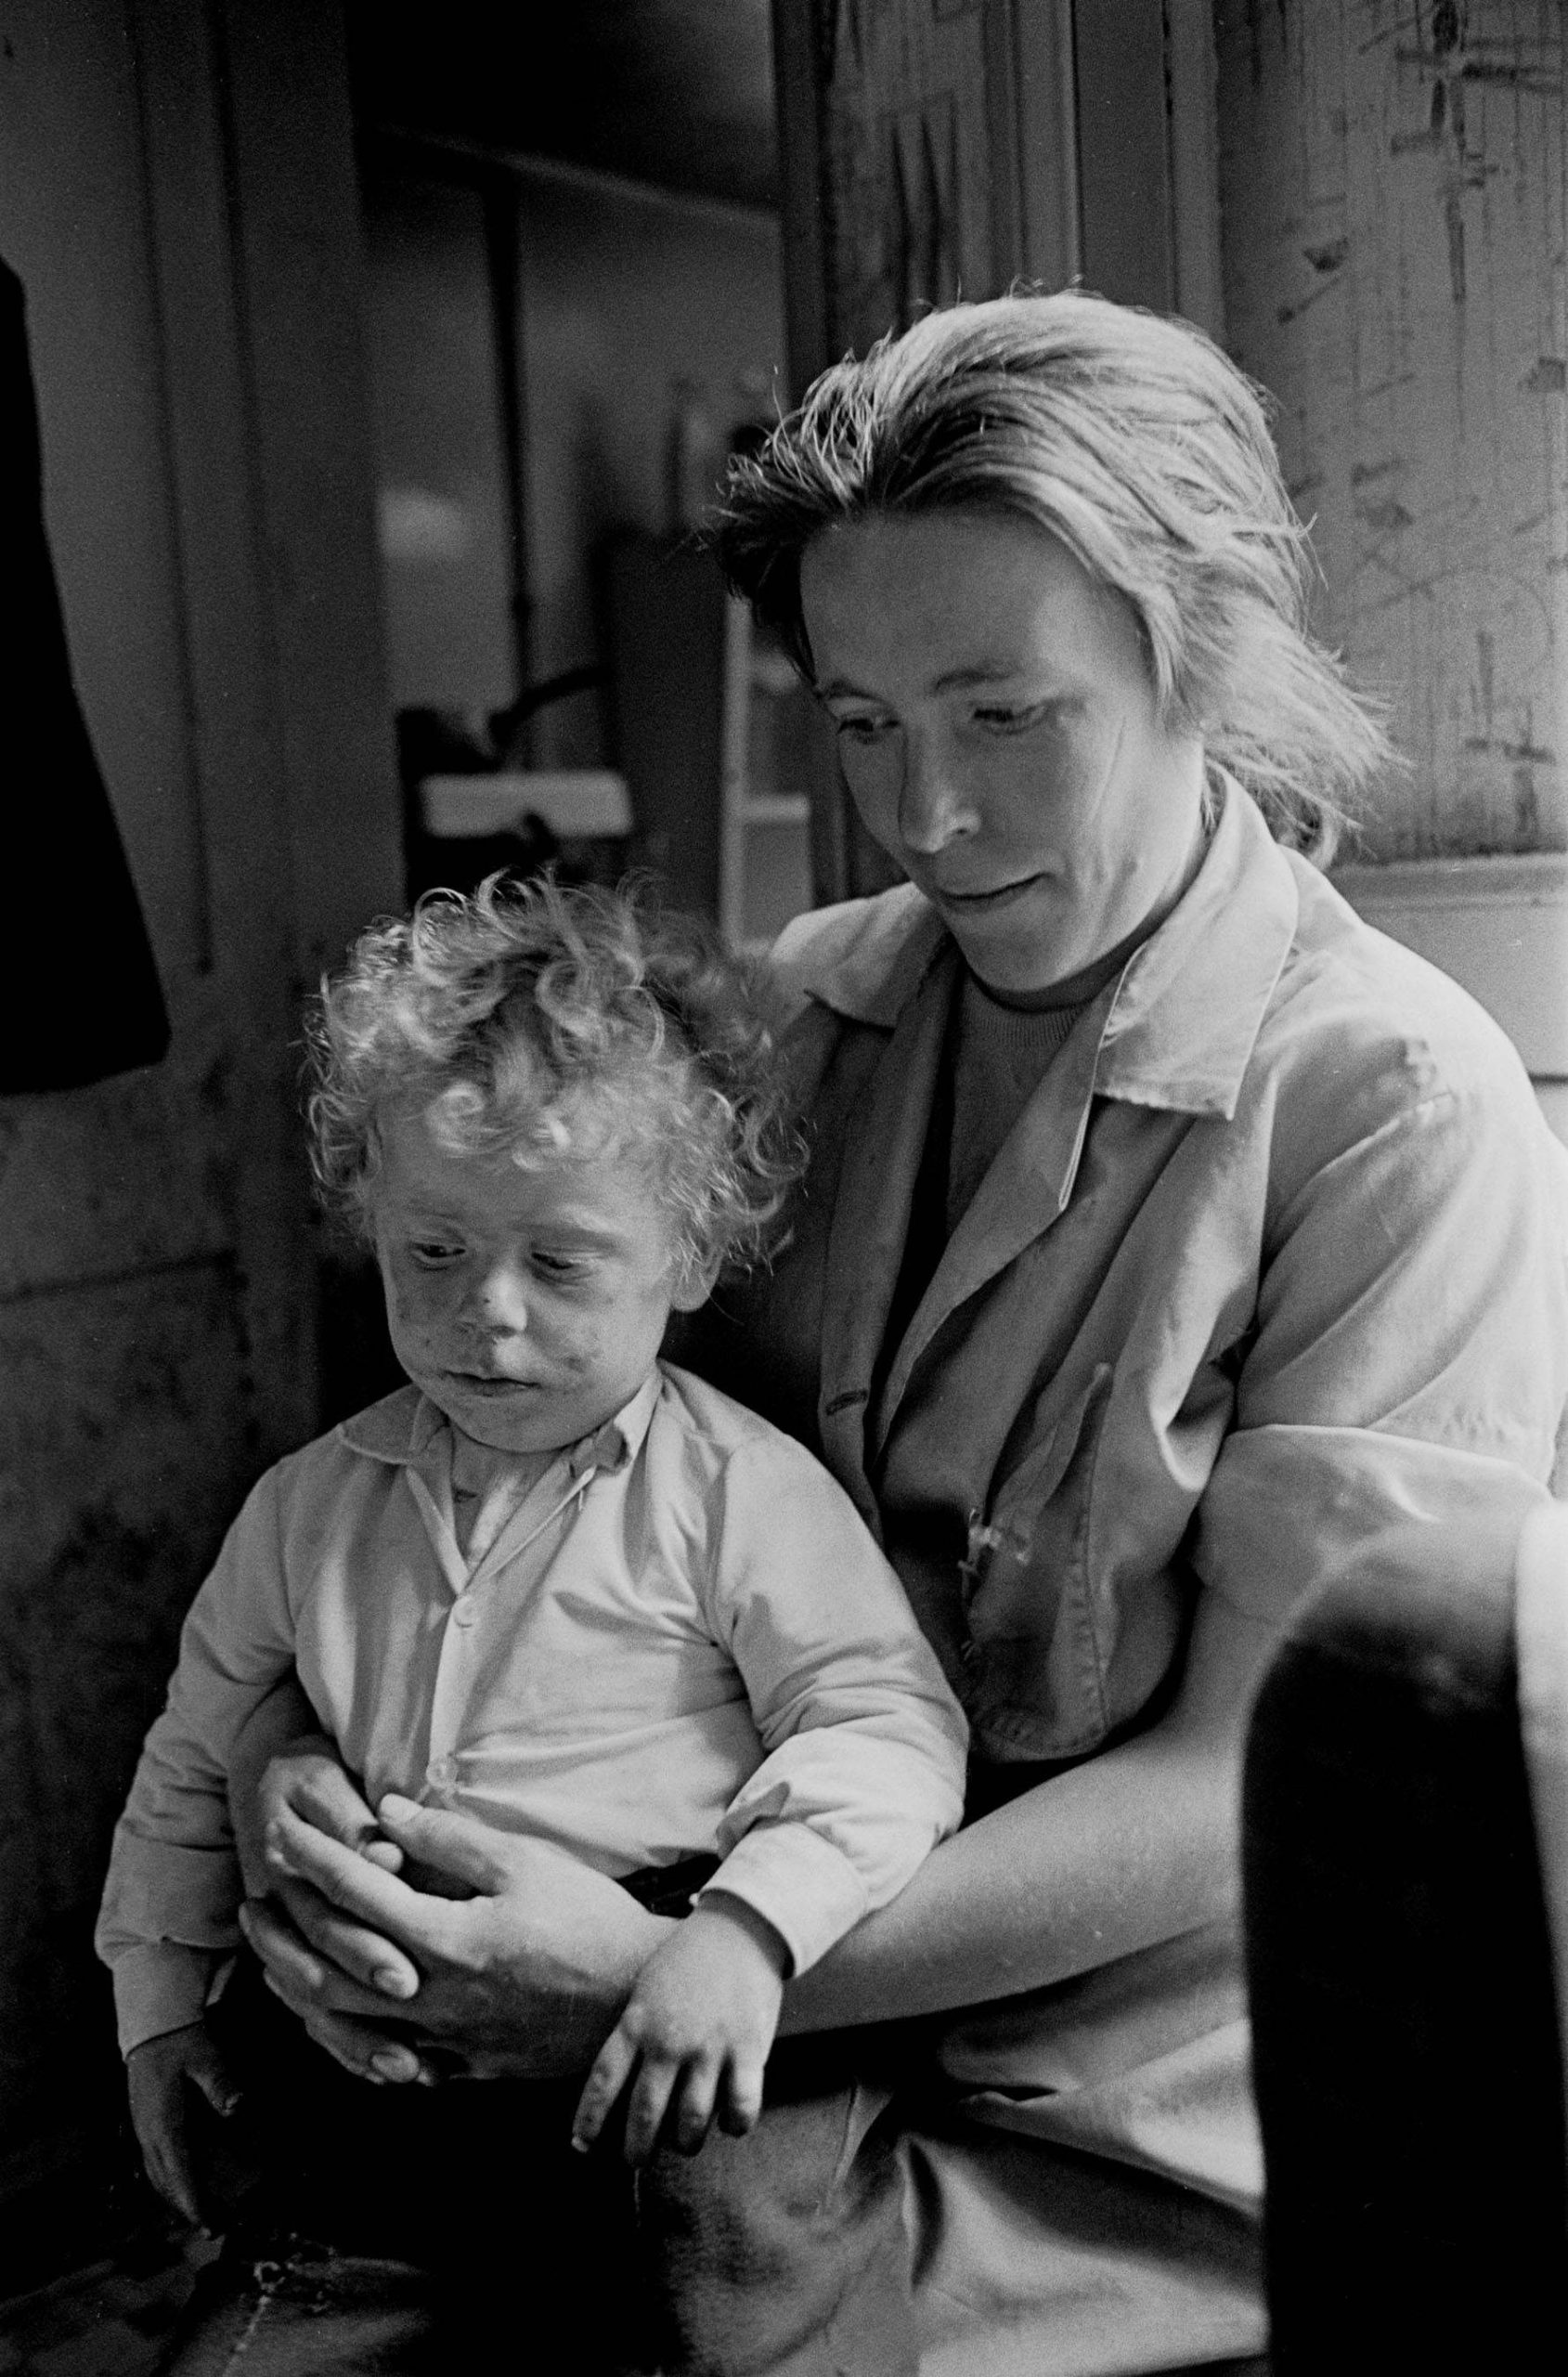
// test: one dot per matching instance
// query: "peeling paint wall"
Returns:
(1394, 201)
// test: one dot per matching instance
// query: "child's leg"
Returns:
(784, 2253)
(411, 2232)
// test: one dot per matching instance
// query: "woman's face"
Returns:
(997, 730)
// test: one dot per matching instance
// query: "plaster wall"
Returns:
(186, 233)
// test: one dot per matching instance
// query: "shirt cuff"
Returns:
(161, 1986)
(797, 1881)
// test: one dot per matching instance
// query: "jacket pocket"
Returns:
(1037, 1654)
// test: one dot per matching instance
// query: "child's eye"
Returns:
(433, 1253)
(551, 1265)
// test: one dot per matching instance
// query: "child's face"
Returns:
(528, 1304)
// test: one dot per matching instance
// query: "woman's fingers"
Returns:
(613, 2067)
(453, 1845)
(315, 1879)
(302, 1974)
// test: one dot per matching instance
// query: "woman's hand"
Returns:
(283, 1763)
(524, 1979)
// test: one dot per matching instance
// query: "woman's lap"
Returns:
(1028, 2257)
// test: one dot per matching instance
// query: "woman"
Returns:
(1167, 1234)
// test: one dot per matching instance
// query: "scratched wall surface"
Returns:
(908, 183)
(1394, 199)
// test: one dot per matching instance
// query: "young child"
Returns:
(551, 1581)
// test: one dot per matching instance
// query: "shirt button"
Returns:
(442, 1770)
(463, 1612)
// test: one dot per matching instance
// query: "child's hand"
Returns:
(695, 2032)
(157, 2074)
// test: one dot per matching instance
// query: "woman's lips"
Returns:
(995, 899)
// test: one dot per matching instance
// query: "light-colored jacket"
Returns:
(1274, 1258)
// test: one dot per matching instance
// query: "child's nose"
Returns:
(500, 1299)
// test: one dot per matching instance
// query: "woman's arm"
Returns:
(530, 1975)
(1135, 1846)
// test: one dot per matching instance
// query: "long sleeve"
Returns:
(170, 1904)
(1411, 1351)
(865, 1744)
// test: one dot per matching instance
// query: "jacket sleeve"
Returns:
(168, 1916)
(865, 1744)
(1410, 1357)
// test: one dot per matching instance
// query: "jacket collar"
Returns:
(1188, 1006)
(1175, 1030)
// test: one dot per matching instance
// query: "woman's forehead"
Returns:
(956, 598)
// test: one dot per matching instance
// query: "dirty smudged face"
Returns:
(529, 1305)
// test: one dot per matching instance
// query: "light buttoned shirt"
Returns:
(680, 1639)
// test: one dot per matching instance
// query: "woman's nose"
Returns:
(934, 804)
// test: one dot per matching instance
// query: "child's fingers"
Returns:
(740, 2100)
(693, 2103)
(166, 2160)
(384, 1853)
(612, 2070)
(208, 2071)
(650, 2101)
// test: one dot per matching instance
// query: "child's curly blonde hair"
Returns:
(537, 1022)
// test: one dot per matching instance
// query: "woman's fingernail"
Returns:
(387, 2066)
(580, 2144)
(392, 1983)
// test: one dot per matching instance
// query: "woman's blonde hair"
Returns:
(1134, 441)
(537, 1022)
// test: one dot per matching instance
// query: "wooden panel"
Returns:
(296, 211)
(1123, 150)
(1394, 194)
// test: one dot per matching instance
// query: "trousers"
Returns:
(400, 2231)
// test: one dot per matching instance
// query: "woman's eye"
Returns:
(1012, 718)
(863, 730)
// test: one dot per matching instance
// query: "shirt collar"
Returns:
(402, 1428)
(1184, 1017)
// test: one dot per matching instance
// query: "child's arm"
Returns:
(171, 1899)
(693, 2038)
(866, 1744)
(864, 1773)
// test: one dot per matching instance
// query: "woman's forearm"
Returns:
(1137, 1845)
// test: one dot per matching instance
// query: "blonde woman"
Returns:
(1167, 1234)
